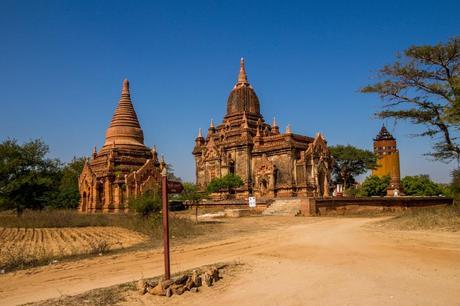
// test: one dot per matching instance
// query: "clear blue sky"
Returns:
(62, 64)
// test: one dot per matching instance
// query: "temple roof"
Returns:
(124, 129)
(243, 97)
(384, 134)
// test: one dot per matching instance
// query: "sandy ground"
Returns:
(292, 261)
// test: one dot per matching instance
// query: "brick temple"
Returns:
(124, 167)
(271, 163)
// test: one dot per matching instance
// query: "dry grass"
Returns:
(23, 247)
(436, 218)
(38, 238)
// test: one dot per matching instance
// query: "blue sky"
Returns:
(62, 64)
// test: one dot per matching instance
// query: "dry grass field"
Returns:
(38, 238)
(28, 246)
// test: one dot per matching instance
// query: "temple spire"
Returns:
(124, 127)
(200, 134)
(211, 125)
(125, 90)
(242, 77)
(245, 121)
(274, 122)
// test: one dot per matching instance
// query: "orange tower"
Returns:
(388, 160)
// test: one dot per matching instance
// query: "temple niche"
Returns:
(123, 168)
(271, 163)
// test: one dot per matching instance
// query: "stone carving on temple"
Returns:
(271, 163)
(124, 167)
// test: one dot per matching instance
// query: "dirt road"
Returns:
(300, 261)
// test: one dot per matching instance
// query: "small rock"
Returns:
(152, 284)
(157, 290)
(178, 290)
(197, 281)
(208, 279)
(194, 290)
(215, 274)
(189, 284)
(167, 283)
(141, 287)
(169, 292)
(181, 280)
(2, 271)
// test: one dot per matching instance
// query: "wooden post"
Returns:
(164, 198)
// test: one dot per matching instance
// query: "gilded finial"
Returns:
(200, 135)
(211, 125)
(274, 122)
(288, 129)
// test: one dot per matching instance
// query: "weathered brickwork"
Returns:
(124, 167)
(271, 163)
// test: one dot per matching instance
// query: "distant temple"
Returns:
(271, 164)
(388, 160)
(124, 167)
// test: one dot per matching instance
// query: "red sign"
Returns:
(175, 187)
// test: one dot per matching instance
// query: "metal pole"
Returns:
(164, 198)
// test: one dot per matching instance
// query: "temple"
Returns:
(388, 160)
(124, 167)
(271, 163)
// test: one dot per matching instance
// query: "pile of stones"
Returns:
(178, 285)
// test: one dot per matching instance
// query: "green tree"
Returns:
(27, 178)
(191, 193)
(374, 186)
(67, 194)
(228, 183)
(455, 185)
(423, 87)
(350, 162)
(146, 203)
(420, 185)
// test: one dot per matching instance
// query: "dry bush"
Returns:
(445, 218)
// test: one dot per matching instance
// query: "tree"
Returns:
(350, 162)
(27, 178)
(146, 203)
(374, 186)
(228, 182)
(423, 87)
(191, 193)
(171, 175)
(67, 193)
(455, 185)
(420, 185)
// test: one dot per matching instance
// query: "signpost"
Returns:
(252, 202)
(167, 187)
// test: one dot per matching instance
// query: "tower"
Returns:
(387, 160)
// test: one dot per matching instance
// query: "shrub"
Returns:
(228, 183)
(145, 204)
(420, 185)
(374, 186)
